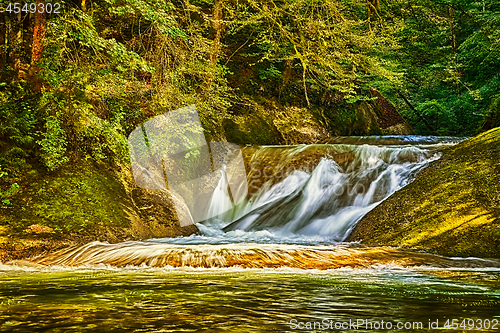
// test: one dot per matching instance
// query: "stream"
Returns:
(275, 262)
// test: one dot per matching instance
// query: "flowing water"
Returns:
(276, 262)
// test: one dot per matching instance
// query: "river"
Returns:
(277, 262)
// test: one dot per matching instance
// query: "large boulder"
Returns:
(452, 208)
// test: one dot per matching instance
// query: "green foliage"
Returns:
(328, 44)
(493, 114)
(53, 144)
(270, 72)
(4, 195)
(17, 116)
(451, 61)
(359, 98)
(106, 70)
(77, 30)
(17, 127)
(154, 14)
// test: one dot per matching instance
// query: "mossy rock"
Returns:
(84, 202)
(267, 122)
(348, 119)
(73, 199)
(252, 130)
(452, 208)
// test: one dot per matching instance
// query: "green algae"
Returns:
(452, 208)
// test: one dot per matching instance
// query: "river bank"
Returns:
(83, 203)
(452, 208)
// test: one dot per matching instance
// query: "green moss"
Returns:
(453, 208)
(266, 122)
(352, 118)
(492, 118)
(75, 199)
(251, 130)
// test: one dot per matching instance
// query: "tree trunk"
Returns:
(38, 35)
(416, 112)
(217, 24)
(13, 43)
(453, 35)
(37, 48)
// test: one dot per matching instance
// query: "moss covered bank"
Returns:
(80, 203)
(452, 208)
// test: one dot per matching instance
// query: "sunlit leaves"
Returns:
(328, 40)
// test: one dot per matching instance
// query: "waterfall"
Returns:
(221, 202)
(328, 200)
(302, 203)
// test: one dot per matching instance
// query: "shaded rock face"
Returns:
(492, 119)
(363, 118)
(152, 213)
(452, 208)
(268, 122)
(158, 215)
(388, 118)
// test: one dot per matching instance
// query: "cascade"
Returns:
(329, 199)
(296, 216)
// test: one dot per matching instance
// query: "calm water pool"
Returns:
(243, 300)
